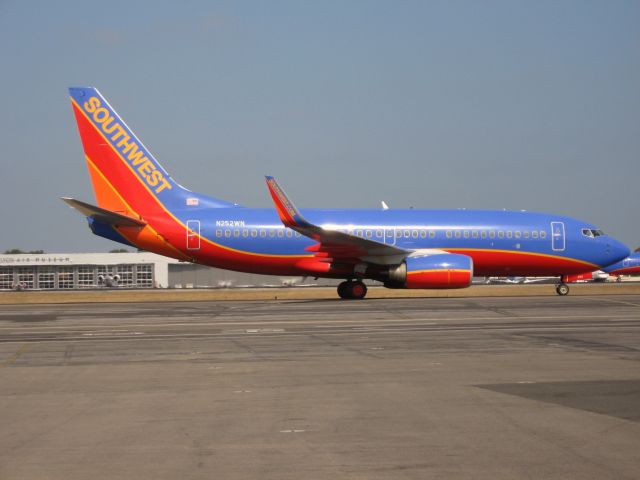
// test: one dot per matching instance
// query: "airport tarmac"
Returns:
(111, 295)
(456, 388)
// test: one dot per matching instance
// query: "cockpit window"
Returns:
(592, 233)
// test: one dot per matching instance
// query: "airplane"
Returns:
(519, 280)
(627, 266)
(139, 204)
(595, 276)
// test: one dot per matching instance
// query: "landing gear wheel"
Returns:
(358, 290)
(562, 289)
(343, 290)
(352, 290)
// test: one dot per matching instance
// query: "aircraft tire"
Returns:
(343, 290)
(562, 289)
(352, 290)
(357, 290)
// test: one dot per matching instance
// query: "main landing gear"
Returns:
(352, 290)
(562, 289)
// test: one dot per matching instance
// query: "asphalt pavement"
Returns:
(455, 388)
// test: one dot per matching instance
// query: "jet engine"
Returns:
(446, 270)
(108, 280)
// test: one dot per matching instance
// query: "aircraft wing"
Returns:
(103, 215)
(332, 243)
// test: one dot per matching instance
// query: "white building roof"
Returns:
(30, 259)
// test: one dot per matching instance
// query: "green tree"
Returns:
(17, 251)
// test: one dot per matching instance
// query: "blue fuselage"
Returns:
(500, 242)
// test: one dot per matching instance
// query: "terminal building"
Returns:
(72, 271)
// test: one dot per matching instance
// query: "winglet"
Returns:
(287, 211)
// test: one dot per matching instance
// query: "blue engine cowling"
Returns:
(446, 270)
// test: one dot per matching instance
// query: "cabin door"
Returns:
(193, 234)
(557, 236)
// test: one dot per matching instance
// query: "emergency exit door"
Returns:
(193, 234)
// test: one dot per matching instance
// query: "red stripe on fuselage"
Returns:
(491, 263)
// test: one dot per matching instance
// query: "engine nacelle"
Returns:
(446, 270)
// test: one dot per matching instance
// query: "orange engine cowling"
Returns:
(446, 270)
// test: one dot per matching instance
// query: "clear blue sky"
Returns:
(494, 104)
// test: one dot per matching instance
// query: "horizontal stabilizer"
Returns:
(102, 215)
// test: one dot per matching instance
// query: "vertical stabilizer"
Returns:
(126, 177)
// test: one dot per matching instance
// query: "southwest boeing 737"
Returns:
(141, 205)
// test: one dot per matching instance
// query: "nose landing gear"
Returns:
(352, 290)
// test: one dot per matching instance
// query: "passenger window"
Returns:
(534, 234)
(289, 233)
(518, 234)
(423, 234)
(227, 233)
(254, 233)
(500, 234)
(466, 234)
(458, 234)
(398, 233)
(483, 234)
(245, 232)
(272, 232)
(236, 233)
(263, 233)
(378, 233)
(474, 234)
(449, 233)
(414, 234)
(218, 233)
(407, 234)
(280, 233)
(298, 234)
(432, 234)
(368, 233)
(509, 234)
(526, 234)
(492, 234)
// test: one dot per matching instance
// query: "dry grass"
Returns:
(311, 293)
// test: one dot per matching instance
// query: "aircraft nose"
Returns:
(616, 250)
